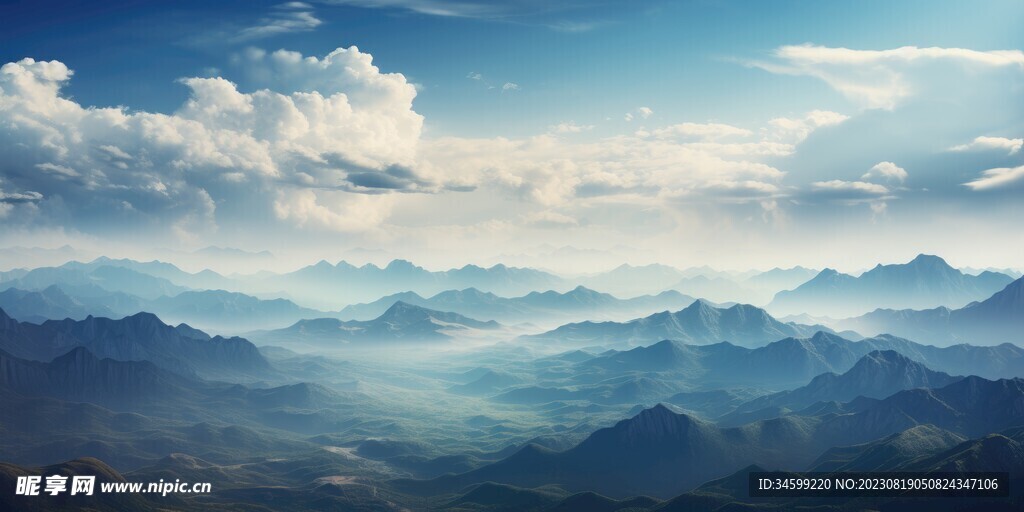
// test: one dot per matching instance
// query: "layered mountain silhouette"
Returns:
(80, 376)
(329, 286)
(49, 303)
(878, 374)
(401, 322)
(534, 307)
(888, 453)
(997, 319)
(211, 309)
(662, 453)
(924, 282)
(140, 337)
(792, 362)
(107, 277)
(699, 323)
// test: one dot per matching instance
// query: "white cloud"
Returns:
(639, 112)
(331, 122)
(887, 171)
(570, 127)
(796, 129)
(473, 75)
(1011, 146)
(286, 18)
(333, 211)
(510, 86)
(996, 178)
(550, 219)
(849, 189)
(705, 131)
(878, 78)
(58, 170)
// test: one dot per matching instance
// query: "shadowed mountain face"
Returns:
(136, 338)
(9, 474)
(401, 322)
(700, 323)
(997, 319)
(925, 282)
(890, 452)
(876, 375)
(662, 453)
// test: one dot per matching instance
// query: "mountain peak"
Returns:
(401, 307)
(400, 265)
(928, 260)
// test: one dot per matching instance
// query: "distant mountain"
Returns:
(135, 338)
(878, 374)
(206, 279)
(401, 322)
(778, 279)
(49, 303)
(661, 453)
(329, 286)
(700, 323)
(792, 362)
(211, 309)
(229, 310)
(718, 289)
(628, 280)
(535, 307)
(110, 278)
(997, 319)
(924, 282)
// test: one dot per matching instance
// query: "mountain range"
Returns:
(661, 453)
(699, 323)
(402, 322)
(997, 319)
(331, 286)
(878, 374)
(534, 307)
(791, 362)
(135, 338)
(925, 282)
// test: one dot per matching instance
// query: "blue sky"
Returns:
(618, 127)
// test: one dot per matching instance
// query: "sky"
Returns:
(571, 135)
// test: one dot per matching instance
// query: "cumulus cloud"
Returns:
(887, 171)
(326, 123)
(997, 178)
(878, 78)
(510, 86)
(1011, 146)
